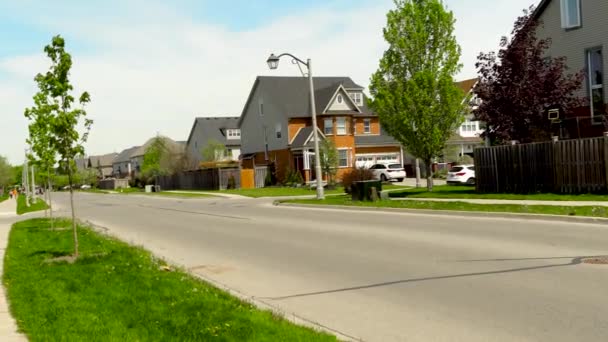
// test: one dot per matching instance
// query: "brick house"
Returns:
(578, 30)
(276, 125)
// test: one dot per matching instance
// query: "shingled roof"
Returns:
(291, 94)
(214, 128)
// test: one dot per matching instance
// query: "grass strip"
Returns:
(590, 211)
(23, 209)
(116, 292)
(468, 192)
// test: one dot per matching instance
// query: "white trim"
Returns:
(332, 125)
(312, 134)
(360, 93)
(347, 149)
(332, 99)
(234, 135)
(337, 127)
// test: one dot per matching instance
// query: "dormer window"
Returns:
(233, 134)
(571, 13)
(357, 98)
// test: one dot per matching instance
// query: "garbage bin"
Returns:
(149, 188)
(362, 190)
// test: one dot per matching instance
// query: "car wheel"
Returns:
(471, 181)
(383, 177)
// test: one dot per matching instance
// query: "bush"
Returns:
(293, 177)
(355, 175)
(441, 174)
(231, 182)
(465, 160)
(268, 179)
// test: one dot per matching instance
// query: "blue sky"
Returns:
(156, 65)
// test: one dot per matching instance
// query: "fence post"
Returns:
(606, 157)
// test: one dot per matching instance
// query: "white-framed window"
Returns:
(341, 126)
(367, 126)
(571, 13)
(328, 126)
(339, 98)
(233, 134)
(343, 157)
(357, 98)
(277, 130)
(469, 126)
(595, 77)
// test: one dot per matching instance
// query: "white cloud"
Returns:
(156, 71)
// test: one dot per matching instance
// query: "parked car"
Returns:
(67, 187)
(85, 187)
(388, 172)
(461, 174)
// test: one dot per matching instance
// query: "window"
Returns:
(343, 158)
(261, 109)
(367, 126)
(341, 126)
(595, 67)
(469, 126)
(339, 98)
(328, 126)
(357, 98)
(277, 130)
(571, 13)
(233, 134)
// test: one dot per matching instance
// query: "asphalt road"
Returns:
(381, 276)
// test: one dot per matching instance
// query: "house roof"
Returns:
(215, 128)
(81, 163)
(303, 138)
(125, 155)
(458, 139)
(171, 145)
(290, 95)
(103, 160)
(383, 139)
(467, 85)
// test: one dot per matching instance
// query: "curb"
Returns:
(457, 213)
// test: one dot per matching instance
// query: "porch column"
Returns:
(306, 160)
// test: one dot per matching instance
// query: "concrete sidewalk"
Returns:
(517, 202)
(8, 327)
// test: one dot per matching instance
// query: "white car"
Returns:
(387, 172)
(461, 174)
(85, 187)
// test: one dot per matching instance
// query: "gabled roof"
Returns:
(103, 160)
(215, 128)
(467, 85)
(304, 137)
(333, 98)
(170, 144)
(290, 95)
(125, 155)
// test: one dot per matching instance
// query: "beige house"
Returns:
(579, 31)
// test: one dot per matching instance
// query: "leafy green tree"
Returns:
(157, 160)
(413, 90)
(62, 133)
(214, 151)
(6, 174)
(329, 160)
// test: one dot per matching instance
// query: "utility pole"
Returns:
(25, 184)
(33, 186)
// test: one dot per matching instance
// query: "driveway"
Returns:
(381, 276)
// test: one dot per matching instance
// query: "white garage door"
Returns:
(368, 160)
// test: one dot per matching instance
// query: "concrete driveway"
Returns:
(381, 276)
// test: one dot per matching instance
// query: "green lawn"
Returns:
(448, 191)
(462, 206)
(116, 292)
(285, 191)
(22, 208)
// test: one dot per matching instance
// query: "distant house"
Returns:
(103, 164)
(121, 165)
(136, 159)
(276, 125)
(224, 130)
(467, 137)
(579, 31)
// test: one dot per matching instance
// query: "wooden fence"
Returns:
(207, 179)
(568, 166)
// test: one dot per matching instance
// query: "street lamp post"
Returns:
(273, 64)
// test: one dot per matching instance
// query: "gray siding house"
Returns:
(225, 130)
(579, 31)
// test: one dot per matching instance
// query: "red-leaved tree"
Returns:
(520, 83)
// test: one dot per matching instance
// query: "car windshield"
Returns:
(394, 166)
(456, 169)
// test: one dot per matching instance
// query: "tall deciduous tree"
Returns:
(64, 137)
(329, 159)
(413, 90)
(520, 83)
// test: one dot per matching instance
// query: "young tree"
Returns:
(157, 159)
(518, 84)
(64, 138)
(214, 151)
(329, 159)
(6, 174)
(413, 90)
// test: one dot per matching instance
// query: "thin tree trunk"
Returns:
(49, 189)
(429, 175)
(73, 213)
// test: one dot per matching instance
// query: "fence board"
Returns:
(569, 166)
